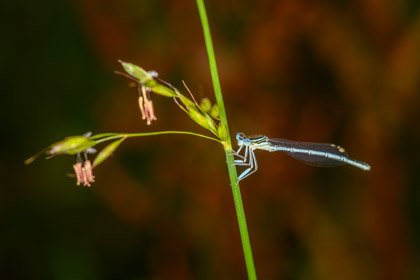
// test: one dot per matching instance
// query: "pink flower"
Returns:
(78, 170)
(146, 105)
(84, 173)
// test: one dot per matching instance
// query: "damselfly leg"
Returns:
(253, 166)
(237, 153)
(244, 161)
(248, 159)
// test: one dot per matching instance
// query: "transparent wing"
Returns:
(318, 154)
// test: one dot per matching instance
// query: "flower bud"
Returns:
(214, 113)
(71, 145)
(196, 116)
(162, 90)
(139, 73)
(186, 101)
(221, 131)
(205, 105)
(211, 124)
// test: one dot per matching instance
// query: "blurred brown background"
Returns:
(344, 72)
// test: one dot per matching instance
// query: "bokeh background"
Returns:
(344, 72)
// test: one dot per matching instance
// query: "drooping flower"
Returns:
(78, 171)
(88, 173)
(83, 171)
(146, 105)
(73, 145)
(147, 83)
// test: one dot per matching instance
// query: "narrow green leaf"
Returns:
(107, 152)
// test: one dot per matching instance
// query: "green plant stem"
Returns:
(240, 213)
(109, 136)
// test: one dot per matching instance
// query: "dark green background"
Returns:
(343, 72)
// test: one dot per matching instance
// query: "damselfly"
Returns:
(318, 154)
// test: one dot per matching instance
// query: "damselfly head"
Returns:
(239, 136)
(240, 139)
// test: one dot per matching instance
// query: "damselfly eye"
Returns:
(247, 142)
(239, 136)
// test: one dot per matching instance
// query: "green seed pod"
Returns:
(187, 102)
(221, 131)
(205, 105)
(215, 111)
(211, 124)
(139, 73)
(196, 116)
(71, 145)
(106, 152)
(162, 90)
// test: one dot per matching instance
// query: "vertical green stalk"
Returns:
(249, 261)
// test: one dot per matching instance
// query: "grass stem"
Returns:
(240, 213)
(109, 136)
